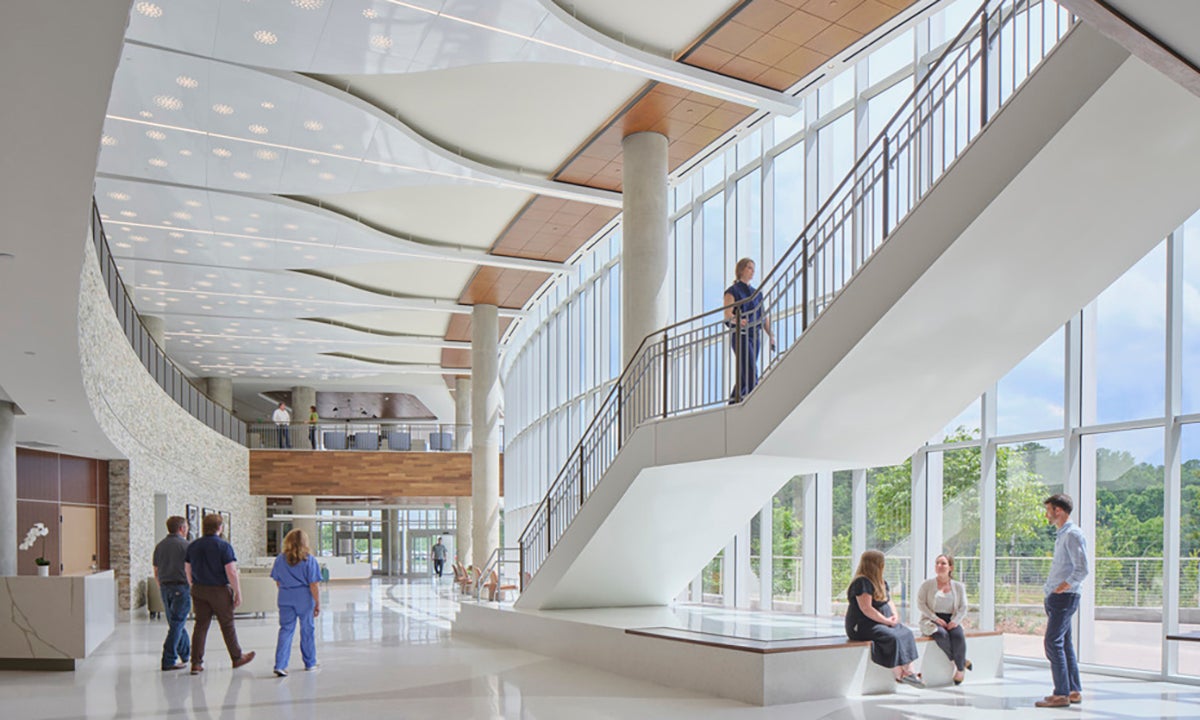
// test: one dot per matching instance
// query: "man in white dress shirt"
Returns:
(283, 419)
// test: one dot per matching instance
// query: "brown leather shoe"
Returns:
(1053, 701)
(197, 669)
(247, 657)
(1075, 697)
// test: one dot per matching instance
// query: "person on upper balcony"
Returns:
(747, 320)
(283, 420)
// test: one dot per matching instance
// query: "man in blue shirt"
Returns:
(1067, 572)
(216, 590)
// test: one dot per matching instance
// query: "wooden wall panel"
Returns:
(77, 480)
(372, 474)
(37, 475)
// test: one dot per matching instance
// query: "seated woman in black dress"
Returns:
(871, 616)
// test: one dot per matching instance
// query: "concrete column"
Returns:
(645, 285)
(302, 399)
(157, 327)
(306, 505)
(220, 391)
(485, 432)
(8, 491)
(462, 439)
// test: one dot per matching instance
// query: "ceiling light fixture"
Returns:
(266, 37)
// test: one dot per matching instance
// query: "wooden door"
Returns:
(78, 539)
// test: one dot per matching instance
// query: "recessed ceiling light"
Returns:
(258, 129)
(241, 175)
(222, 109)
(168, 102)
(146, 114)
(370, 14)
(185, 153)
(180, 251)
(156, 135)
(108, 140)
(222, 152)
(122, 245)
(186, 82)
(119, 196)
(154, 272)
(308, 4)
(314, 161)
(291, 226)
(266, 37)
(157, 162)
(314, 125)
(266, 154)
(339, 146)
(381, 42)
(325, 176)
(148, 9)
(176, 235)
(180, 214)
(192, 203)
(128, 214)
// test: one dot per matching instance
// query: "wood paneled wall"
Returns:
(47, 481)
(371, 474)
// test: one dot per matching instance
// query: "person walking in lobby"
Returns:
(169, 558)
(872, 616)
(283, 420)
(1067, 572)
(746, 324)
(211, 569)
(439, 557)
(298, 577)
(942, 601)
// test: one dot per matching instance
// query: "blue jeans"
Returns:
(1060, 647)
(283, 436)
(177, 603)
(293, 607)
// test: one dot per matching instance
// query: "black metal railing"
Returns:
(686, 367)
(169, 377)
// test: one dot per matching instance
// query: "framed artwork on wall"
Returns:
(193, 521)
(227, 531)
(207, 511)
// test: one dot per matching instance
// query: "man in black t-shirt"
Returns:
(173, 585)
(212, 571)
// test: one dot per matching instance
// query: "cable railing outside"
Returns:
(166, 374)
(687, 367)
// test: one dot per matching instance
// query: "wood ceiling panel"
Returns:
(775, 43)
(552, 229)
(459, 328)
(503, 287)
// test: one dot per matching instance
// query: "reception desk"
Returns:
(55, 620)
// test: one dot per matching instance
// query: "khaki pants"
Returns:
(209, 600)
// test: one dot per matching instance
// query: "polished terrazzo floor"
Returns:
(386, 652)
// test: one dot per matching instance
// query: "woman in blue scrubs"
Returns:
(297, 574)
(746, 328)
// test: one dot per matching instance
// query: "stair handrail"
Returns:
(169, 376)
(807, 273)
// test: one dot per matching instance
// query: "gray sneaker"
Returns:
(913, 679)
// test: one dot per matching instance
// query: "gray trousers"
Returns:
(952, 642)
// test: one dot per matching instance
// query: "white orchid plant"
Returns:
(39, 530)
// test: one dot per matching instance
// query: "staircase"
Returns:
(933, 269)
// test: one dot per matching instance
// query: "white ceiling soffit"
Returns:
(151, 221)
(244, 335)
(409, 355)
(395, 321)
(1172, 22)
(415, 278)
(188, 120)
(398, 36)
(463, 216)
(430, 389)
(524, 116)
(664, 27)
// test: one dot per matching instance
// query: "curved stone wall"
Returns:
(169, 452)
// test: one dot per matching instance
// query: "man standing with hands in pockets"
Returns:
(1067, 573)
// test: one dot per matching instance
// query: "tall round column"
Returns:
(306, 505)
(645, 290)
(220, 391)
(302, 399)
(8, 491)
(157, 327)
(462, 439)
(485, 433)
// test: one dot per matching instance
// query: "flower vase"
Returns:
(43, 570)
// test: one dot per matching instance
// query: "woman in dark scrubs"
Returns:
(746, 326)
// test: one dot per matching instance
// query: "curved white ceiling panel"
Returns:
(524, 115)
(664, 26)
(464, 216)
(415, 278)
(398, 321)
(189, 120)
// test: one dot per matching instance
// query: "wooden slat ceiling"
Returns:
(773, 43)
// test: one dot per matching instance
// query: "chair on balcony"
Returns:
(397, 440)
(441, 441)
(366, 440)
(335, 440)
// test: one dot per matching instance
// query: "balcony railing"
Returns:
(167, 374)
(686, 367)
(361, 435)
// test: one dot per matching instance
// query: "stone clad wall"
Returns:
(169, 452)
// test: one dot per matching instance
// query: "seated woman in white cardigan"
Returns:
(942, 601)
